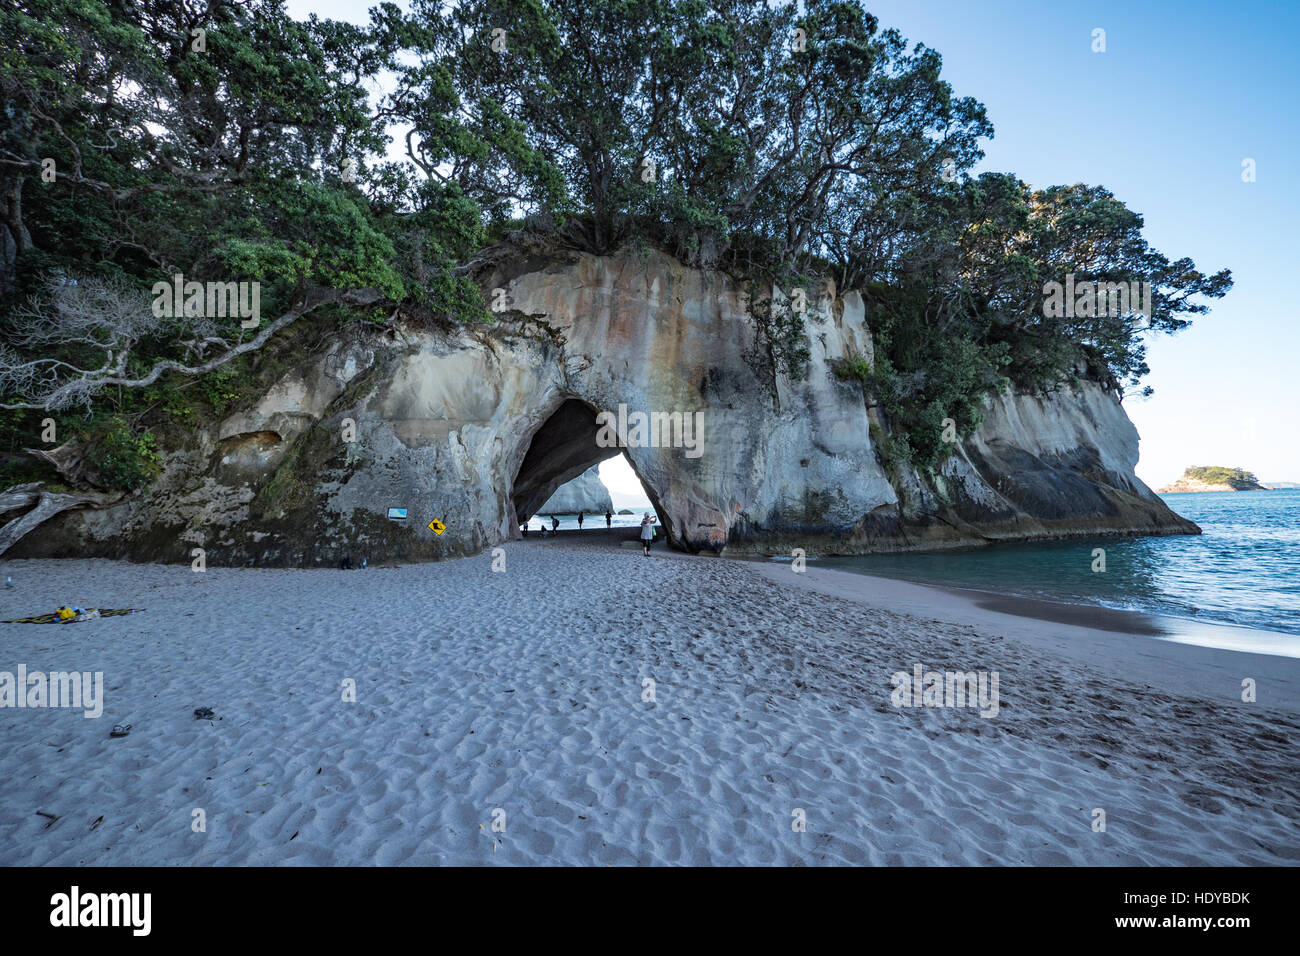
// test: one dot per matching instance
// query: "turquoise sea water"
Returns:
(1243, 570)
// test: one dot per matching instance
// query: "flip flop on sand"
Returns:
(120, 730)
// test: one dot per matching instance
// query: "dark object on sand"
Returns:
(53, 616)
(346, 564)
(120, 730)
(204, 713)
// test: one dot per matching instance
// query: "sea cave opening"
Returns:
(564, 449)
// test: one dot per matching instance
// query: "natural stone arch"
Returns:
(562, 448)
(445, 418)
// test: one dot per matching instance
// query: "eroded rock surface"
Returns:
(586, 493)
(479, 426)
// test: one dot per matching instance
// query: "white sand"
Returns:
(522, 691)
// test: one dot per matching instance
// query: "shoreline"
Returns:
(1242, 638)
(1135, 643)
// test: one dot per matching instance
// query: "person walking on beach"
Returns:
(555, 523)
(579, 520)
(647, 534)
(608, 518)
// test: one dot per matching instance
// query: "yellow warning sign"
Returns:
(437, 527)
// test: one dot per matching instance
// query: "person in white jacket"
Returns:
(647, 534)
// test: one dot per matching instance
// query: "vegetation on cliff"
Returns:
(1215, 478)
(228, 142)
(1218, 475)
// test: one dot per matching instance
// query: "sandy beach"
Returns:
(519, 698)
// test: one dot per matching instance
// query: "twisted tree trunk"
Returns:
(47, 505)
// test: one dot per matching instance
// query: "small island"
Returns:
(1213, 478)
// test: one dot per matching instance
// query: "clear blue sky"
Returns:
(1185, 91)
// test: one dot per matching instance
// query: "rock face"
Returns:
(586, 493)
(478, 427)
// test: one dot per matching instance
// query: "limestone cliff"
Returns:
(479, 426)
(586, 493)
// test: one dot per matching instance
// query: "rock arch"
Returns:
(562, 448)
(476, 425)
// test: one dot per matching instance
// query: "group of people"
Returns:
(647, 528)
(555, 524)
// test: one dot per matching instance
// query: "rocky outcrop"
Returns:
(1189, 485)
(478, 427)
(586, 494)
(1040, 467)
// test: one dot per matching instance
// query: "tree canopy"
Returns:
(1219, 475)
(226, 141)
